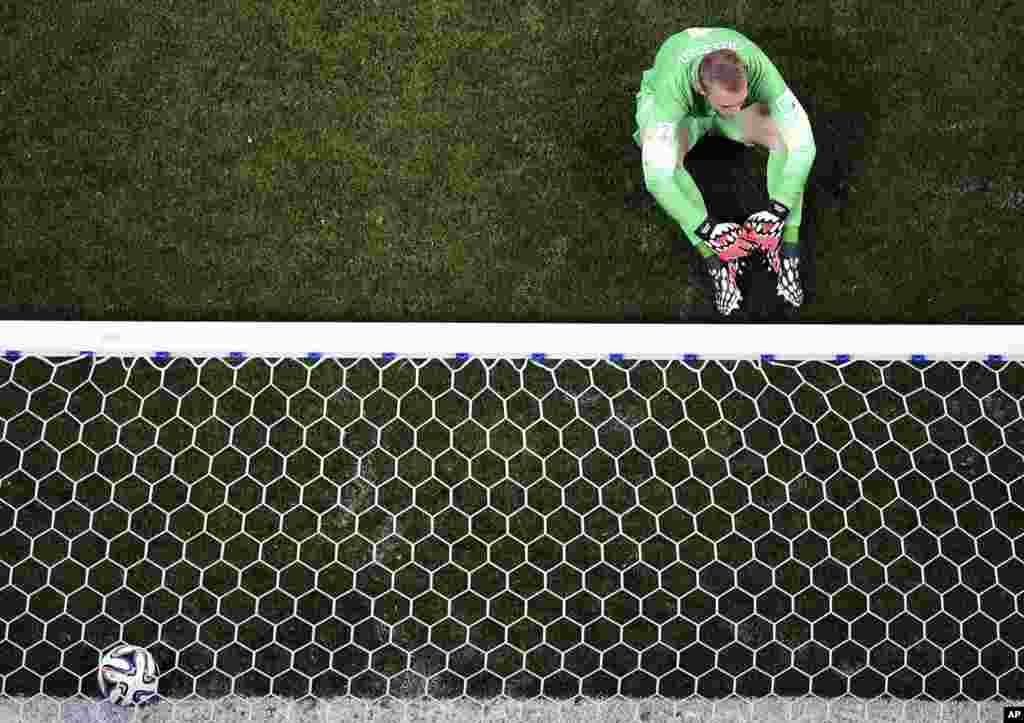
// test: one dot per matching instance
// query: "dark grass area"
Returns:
(298, 160)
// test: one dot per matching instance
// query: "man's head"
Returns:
(722, 79)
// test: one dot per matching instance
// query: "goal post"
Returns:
(830, 342)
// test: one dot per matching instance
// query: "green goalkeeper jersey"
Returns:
(668, 99)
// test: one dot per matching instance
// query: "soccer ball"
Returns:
(127, 675)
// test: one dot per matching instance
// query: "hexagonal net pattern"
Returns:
(406, 527)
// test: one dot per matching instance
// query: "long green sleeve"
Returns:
(786, 184)
(682, 200)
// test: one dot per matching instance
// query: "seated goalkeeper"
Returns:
(715, 80)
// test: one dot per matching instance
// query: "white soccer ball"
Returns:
(127, 675)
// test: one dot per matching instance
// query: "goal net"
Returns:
(514, 522)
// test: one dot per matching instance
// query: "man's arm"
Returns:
(669, 182)
(798, 149)
(675, 190)
(776, 228)
(664, 112)
(798, 146)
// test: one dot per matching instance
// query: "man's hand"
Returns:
(725, 279)
(764, 230)
(726, 239)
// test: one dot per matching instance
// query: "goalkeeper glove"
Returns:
(730, 247)
(789, 276)
(725, 278)
(764, 230)
(726, 239)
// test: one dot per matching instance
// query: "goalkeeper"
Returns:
(715, 80)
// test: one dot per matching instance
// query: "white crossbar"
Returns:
(839, 342)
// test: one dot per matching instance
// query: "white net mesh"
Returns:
(520, 528)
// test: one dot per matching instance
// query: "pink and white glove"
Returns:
(764, 230)
(725, 238)
(730, 246)
(725, 277)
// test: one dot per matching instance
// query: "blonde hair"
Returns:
(723, 69)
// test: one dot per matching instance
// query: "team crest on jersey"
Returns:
(794, 126)
(787, 104)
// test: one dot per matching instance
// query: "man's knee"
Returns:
(684, 142)
(760, 129)
(772, 139)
